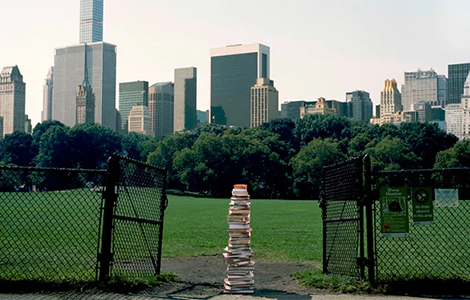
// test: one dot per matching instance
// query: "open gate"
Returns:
(135, 201)
(342, 203)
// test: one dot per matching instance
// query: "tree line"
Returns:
(280, 159)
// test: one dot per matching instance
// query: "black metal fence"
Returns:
(57, 224)
(436, 243)
(342, 213)
(138, 218)
(417, 223)
(49, 223)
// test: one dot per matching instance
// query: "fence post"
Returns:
(369, 219)
(360, 207)
(110, 197)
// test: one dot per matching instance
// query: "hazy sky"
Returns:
(318, 47)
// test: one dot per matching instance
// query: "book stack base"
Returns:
(238, 254)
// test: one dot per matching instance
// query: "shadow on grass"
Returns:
(119, 285)
(417, 287)
(429, 287)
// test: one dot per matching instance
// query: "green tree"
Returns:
(132, 145)
(54, 148)
(322, 126)
(308, 165)
(456, 157)
(17, 148)
(92, 144)
(164, 154)
(392, 154)
(426, 140)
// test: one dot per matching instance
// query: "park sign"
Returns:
(394, 212)
(423, 212)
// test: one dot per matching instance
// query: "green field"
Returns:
(53, 236)
(49, 236)
(283, 230)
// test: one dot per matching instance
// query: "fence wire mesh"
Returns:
(49, 223)
(342, 227)
(138, 219)
(436, 251)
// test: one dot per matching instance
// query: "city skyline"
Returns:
(320, 49)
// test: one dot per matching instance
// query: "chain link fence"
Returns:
(49, 223)
(342, 218)
(71, 225)
(438, 249)
(138, 218)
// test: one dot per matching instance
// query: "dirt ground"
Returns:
(203, 277)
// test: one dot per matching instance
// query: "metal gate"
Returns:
(342, 211)
(135, 201)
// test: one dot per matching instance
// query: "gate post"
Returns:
(105, 257)
(369, 220)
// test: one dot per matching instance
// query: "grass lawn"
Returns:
(50, 236)
(283, 230)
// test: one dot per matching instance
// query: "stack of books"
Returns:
(238, 254)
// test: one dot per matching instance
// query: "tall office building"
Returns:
(390, 98)
(139, 120)
(456, 74)
(185, 117)
(12, 100)
(264, 102)
(70, 65)
(130, 94)
(161, 108)
(423, 86)
(85, 107)
(234, 70)
(291, 109)
(47, 96)
(359, 105)
(91, 21)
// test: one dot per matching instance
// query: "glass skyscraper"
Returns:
(234, 70)
(185, 99)
(359, 105)
(91, 21)
(99, 60)
(456, 76)
(130, 94)
(161, 108)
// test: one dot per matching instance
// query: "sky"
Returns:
(319, 48)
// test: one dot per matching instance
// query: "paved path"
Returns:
(259, 295)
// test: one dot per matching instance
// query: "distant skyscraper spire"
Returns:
(91, 21)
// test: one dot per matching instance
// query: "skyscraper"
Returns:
(456, 74)
(12, 100)
(359, 105)
(161, 108)
(423, 86)
(291, 109)
(185, 117)
(139, 120)
(390, 98)
(264, 102)
(130, 94)
(85, 109)
(234, 70)
(91, 21)
(70, 65)
(47, 96)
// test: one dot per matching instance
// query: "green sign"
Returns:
(394, 212)
(421, 198)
